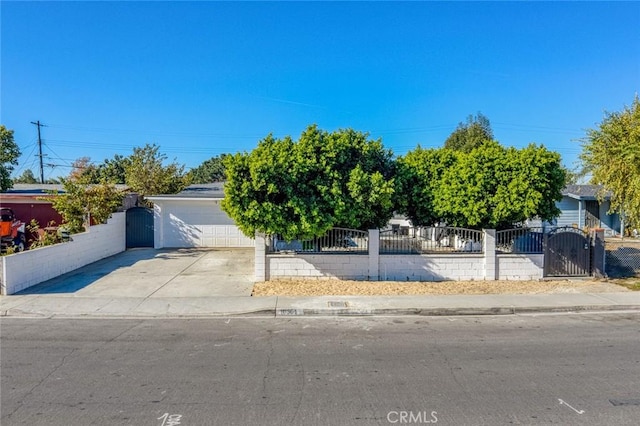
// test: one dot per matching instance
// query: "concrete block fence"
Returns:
(23, 270)
(374, 266)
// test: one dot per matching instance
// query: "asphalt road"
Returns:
(548, 369)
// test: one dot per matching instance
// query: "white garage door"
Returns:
(224, 236)
(200, 224)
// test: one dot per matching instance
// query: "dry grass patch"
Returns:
(632, 283)
(335, 287)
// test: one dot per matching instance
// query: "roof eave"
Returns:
(161, 198)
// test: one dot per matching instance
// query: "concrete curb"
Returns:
(451, 311)
(323, 312)
(16, 313)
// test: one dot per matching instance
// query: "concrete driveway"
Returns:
(160, 273)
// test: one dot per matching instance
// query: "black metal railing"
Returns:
(336, 240)
(520, 240)
(530, 239)
(435, 239)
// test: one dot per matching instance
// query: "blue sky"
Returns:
(205, 78)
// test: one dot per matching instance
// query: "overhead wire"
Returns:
(20, 169)
(216, 147)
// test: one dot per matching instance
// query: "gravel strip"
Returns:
(335, 287)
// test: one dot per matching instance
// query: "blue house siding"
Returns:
(573, 207)
(569, 216)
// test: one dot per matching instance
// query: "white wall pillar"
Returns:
(374, 254)
(261, 257)
(580, 215)
(489, 249)
(158, 226)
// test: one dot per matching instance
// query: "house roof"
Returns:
(199, 191)
(585, 192)
(39, 189)
(215, 191)
(34, 188)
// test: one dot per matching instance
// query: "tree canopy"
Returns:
(211, 170)
(26, 177)
(419, 174)
(109, 171)
(490, 187)
(471, 134)
(611, 155)
(9, 153)
(82, 170)
(80, 203)
(146, 173)
(303, 188)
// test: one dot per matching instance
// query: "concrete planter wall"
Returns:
(23, 270)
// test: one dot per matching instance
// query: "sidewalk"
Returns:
(64, 306)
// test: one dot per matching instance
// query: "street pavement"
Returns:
(192, 283)
(579, 369)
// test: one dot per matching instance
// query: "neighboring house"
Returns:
(580, 205)
(194, 218)
(399, 224)
(580, 208)
(26, 202)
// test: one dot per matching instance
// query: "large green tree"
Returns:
(471, 134)
(79, 203)
(113, 170)
(109, 171)
(494, 187)
(9, 153)
(211, 170)
(303, 188)
(419, 174)
(611, 155)
(26, 177)
(147, 174)
(490, 187)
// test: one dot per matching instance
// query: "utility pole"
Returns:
(37, 123)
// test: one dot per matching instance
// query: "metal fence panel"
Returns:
(336, 240)
(622, 258)
(435, 239)
(520, 240)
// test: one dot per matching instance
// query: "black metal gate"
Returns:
(139, 227)
(567, 253)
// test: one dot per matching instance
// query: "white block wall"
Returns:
(31, 267)
(413, 267)
(343, 266)
(431, 267)
(520, 266)
(195, 223)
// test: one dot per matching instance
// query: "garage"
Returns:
(194, 218)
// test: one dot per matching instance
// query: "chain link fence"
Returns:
(623, 258)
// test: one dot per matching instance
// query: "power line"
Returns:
(37, 123)
(28, 156)
(56, 155)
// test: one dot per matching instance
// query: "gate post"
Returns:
(260, 265)
(545, 251)
(374, 254)
(489, 249)
(597, 245)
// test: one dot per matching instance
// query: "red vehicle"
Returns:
(11, 231)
